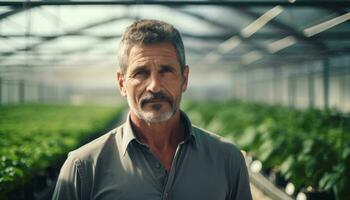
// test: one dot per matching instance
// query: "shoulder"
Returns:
(78, 170)
(221, 151)
(215, 143)
(91, 151)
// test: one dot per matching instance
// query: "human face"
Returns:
(153, 82)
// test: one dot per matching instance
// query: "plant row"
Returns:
(310, 148)
(33, 137)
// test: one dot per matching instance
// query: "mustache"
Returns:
(160, 96)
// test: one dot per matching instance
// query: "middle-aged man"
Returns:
(157, 153)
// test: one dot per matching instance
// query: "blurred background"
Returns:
(293, 53)
(287, 56)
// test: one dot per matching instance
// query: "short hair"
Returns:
(150, 32)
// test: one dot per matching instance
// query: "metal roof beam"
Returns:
(288, 30)
(49, 37)
(233, 31)
(15, 10)
(111, 36)
(95, 24)
(10, 13)
(241, 3)
(25, 5)
(339, 11)
(219, 37)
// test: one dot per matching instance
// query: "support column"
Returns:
(343, 93)
(21, 92)
(10, 91)
(234, 82)
(1, 91)
(311, 87)
(247, 88)
(291, 91)
(276, 75)
(326, 84)
(41, 91)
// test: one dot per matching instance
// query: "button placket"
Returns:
(169, 177)
(158, 165)
(166, 195)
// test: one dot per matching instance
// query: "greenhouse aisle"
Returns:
(257, 194)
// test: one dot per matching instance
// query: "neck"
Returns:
(159, 136)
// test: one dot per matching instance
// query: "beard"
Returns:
(156, 111)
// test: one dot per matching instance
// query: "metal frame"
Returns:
(253, 3)
(72, 32)
(321, 50)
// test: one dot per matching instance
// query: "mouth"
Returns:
(155, 99)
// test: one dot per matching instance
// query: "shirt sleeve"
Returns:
(69, 183)
(242, 186)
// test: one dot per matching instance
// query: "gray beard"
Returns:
(153, 116)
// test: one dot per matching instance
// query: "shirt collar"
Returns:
(129, 135)
(190, 133)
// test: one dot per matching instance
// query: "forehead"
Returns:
(162, 53)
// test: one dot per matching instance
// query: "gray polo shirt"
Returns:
(118, 166)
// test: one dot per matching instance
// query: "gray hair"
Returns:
(150, 32)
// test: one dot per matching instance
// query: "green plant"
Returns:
(33, 137)
(309, 147)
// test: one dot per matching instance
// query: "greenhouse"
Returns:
(270, 76)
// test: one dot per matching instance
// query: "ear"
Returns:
(121, 83)
(185, 73)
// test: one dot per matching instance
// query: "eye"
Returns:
(166, 69)
(141, 72)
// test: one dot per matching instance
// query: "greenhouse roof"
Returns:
(68, 37)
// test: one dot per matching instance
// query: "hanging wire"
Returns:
(26, 6)
(138, 6)
(58, 22)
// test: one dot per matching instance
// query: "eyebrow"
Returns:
(145, 67)
(167, 67)
(139, 68)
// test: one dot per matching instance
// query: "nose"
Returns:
(154, 84)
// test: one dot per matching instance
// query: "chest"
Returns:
(143, 177)
(165, 158)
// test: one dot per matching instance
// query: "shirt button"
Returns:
(166, 195)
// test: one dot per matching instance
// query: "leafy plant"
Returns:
(33, 137)
(309, 147)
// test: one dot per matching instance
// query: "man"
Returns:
(157, 153)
